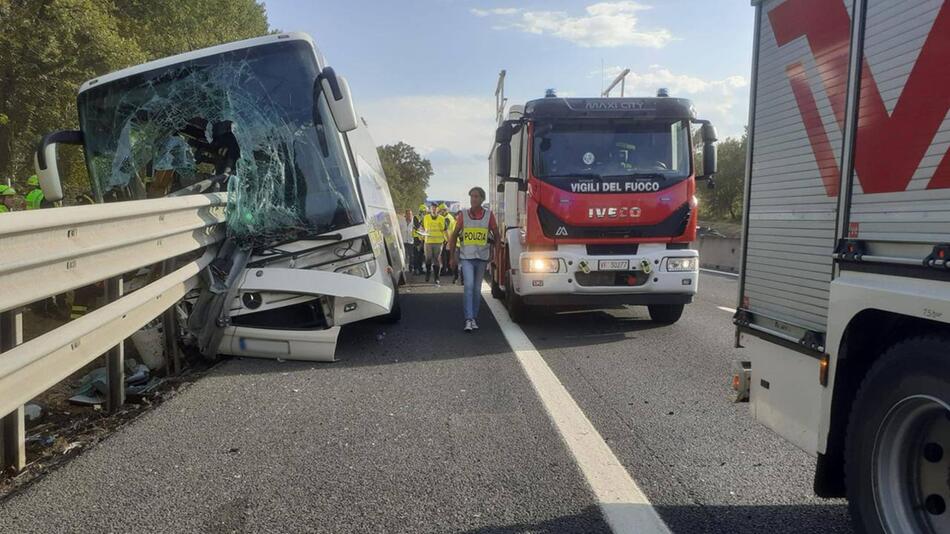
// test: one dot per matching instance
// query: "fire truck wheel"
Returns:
(516, 306)
(496, 291)
(665, 313)
(897, 449)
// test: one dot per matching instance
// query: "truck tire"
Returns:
(897, 447)
(517, 309)
(496, 291)
(666, 313)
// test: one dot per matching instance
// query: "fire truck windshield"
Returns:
(567, 152)
(244, 118)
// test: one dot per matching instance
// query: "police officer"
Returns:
(475, 225)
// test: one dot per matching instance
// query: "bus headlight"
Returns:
(540, 265)
(681, 265)
(364, 269)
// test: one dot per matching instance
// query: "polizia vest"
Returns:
(475, 236)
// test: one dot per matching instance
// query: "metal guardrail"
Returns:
(48, 252)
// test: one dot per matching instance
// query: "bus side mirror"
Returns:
(341, 101)
(44, 161)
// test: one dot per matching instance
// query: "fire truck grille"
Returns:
(611, 278)
(672, 226)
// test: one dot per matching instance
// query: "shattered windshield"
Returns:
(568, 152)
(241, 120)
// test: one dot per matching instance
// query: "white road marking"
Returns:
(624, 505)
(725, 309)
(723, 273)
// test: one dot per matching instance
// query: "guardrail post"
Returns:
(12, 425)
(170, 330)
(115, 359)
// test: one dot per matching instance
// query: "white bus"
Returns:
(313, 240)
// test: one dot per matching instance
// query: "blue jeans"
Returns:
(473, 271)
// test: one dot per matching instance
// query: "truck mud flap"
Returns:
(307, 345)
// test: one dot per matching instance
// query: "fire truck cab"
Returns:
(596, 200)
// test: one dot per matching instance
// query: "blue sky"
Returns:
(424, 71)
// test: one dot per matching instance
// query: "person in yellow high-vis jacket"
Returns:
(450, 227)
(7, 198)
(35, 198)
(434, 227)
(418, 241)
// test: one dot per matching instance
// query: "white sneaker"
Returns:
(468, 325)
(474, 324)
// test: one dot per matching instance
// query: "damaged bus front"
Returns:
(313, 238)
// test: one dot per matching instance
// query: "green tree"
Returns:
(724, 202)
(171, 27)
(408, 174)
(49, 47)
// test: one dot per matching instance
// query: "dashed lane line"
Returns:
(625, 507)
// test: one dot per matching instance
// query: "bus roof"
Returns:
(204, 52)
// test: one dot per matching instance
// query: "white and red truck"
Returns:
(844, 295)
(596, 197)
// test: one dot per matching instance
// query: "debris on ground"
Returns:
(33, 412)
(94, 387)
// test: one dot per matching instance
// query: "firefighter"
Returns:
(434, 226)
(35, 198)
(7, 198)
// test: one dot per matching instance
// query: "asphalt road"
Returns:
(422, 428)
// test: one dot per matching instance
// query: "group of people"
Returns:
(438, 242)
(32, 200)
(426, 237)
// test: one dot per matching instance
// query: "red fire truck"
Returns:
(844, 299)
(596, 200)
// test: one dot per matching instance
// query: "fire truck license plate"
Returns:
(613, 265)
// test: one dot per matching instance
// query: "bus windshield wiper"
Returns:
(272, 253)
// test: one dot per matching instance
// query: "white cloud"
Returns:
(454, 132)
(604, 25)
(497, 11)
(723, 101)
(657, 76)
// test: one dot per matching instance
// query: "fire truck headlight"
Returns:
(681, 265)
(540, 265)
